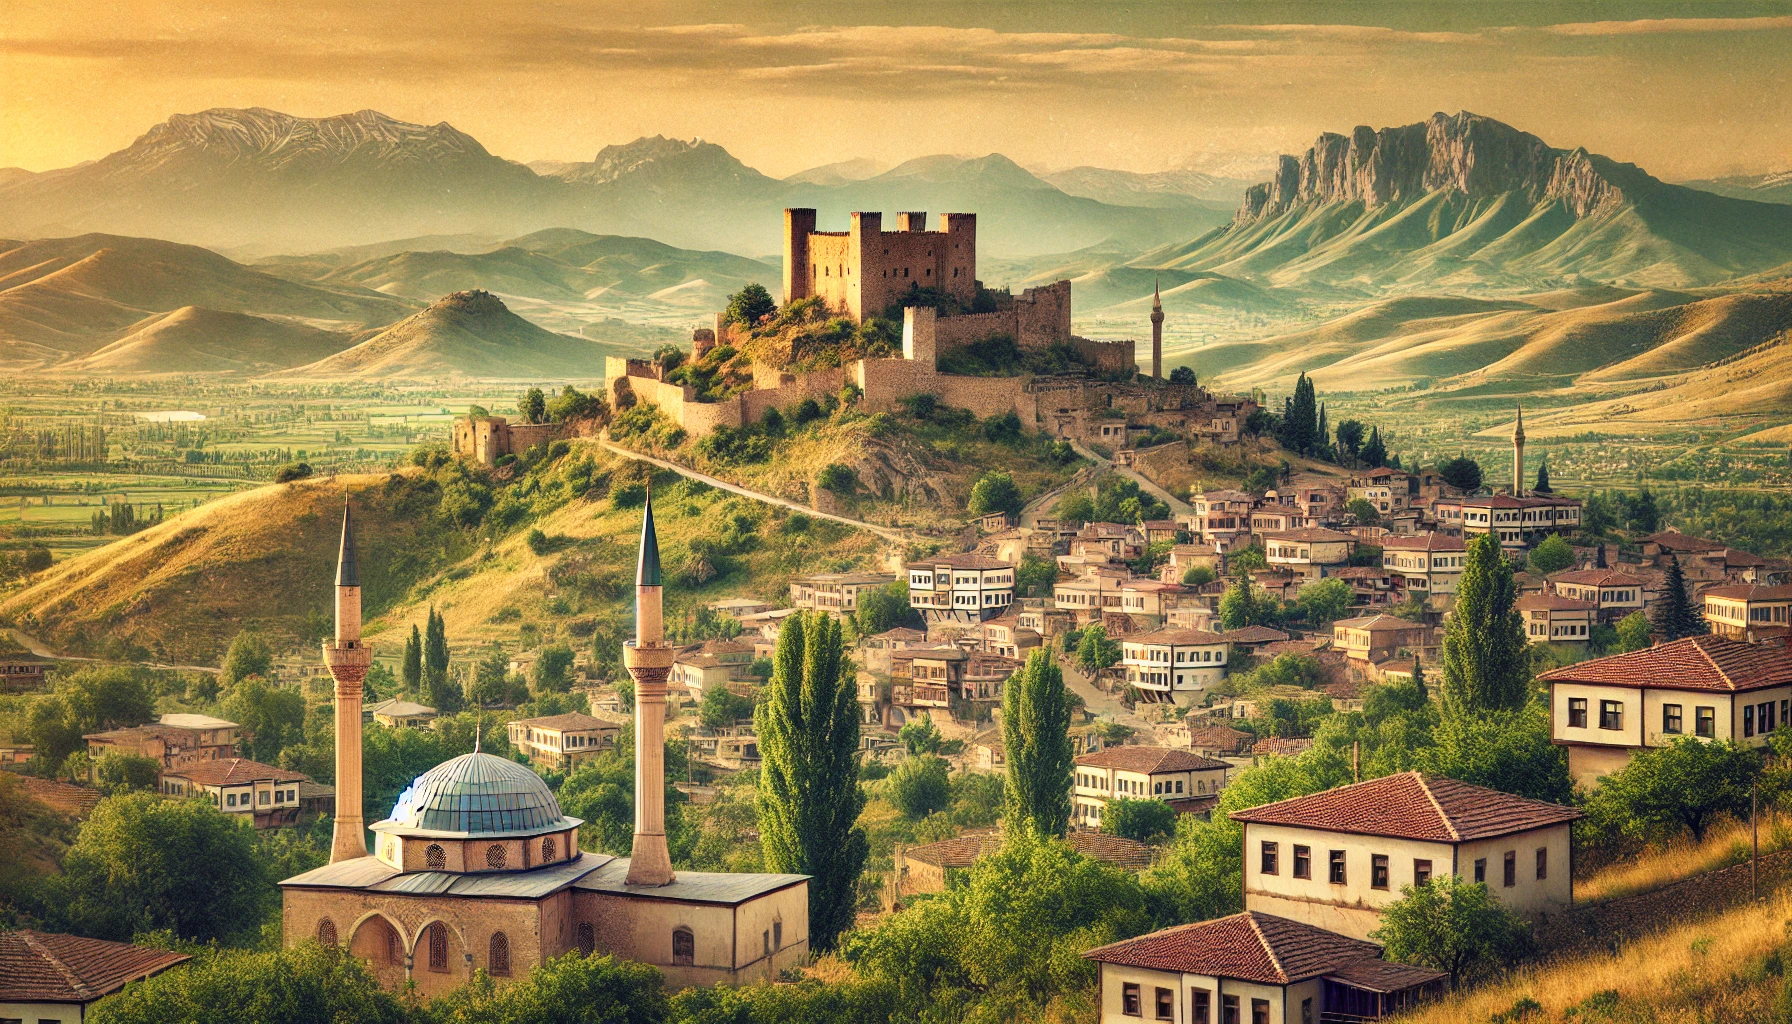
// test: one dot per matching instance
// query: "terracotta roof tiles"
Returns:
(42, 967)
(1247, 947)
(1412, 805)
(1712, 663)
(233, 771)
(1149, 760)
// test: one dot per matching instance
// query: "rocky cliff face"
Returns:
(1476, 156)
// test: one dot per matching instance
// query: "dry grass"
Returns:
(1725, 844)
(1724, 969)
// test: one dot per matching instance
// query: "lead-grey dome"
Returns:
(478, 794)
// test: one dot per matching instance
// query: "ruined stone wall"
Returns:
(1042, 316)
(818, 385)
(1601, 925)
(886, 382)
(1160, 461)
(1105, 356)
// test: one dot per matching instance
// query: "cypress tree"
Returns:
(809, 797)
(1675, 617)
(1322, 435)
(1486, 661)
(435, 665)
(1375, 452)
(1542, 478)
(1036, 711)
(412, 668)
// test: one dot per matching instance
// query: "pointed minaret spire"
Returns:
(1518, 455)
(348, 570)
(348, 658)
(648, 659)
(1157, 332)
(647, 564)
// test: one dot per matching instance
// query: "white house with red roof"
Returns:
(237, 785)
(1554, 619)
(1613, 594)
(965, 588)
(1184, 779)
(1707, 687)
(1254, 968)
(1176, 665)
(1336, 859)
(48, 977)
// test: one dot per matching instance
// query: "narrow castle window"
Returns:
(394, 951)
(500, 954)
(326, 932)
(684, 947)
(435, 858)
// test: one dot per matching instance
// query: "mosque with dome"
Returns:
(477, 868)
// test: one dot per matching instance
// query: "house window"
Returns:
(1511, 874)
(438, 947)
(684, 947)
(435, 858)
(1577, 712)
(1166, 1004)
(1765, 718)
(1421, 872)
(1378, 871)
(1129, 999)
(1611, 714)
(1542, 863)
(1748, 720)
(1229, 1010)
(587, 939)
(500, 954)
(494, 856)
(1670, 718)
(326, 932)
(1200, 1006)
(1269, 858)
(1303, 862)
(1306, 1011)
(1259, 1011)
(1705, 722)
(1337, 867)
(1481, 870)
(777, 935)
(548, 849)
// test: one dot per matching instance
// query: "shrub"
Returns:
(921, 785)
(1145, 820)
(292, 471)
(837, 478)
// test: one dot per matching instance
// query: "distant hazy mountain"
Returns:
(1465, 203)
(1160, 188)
(263, 180)
(65, 298)
(838, 173)
(467, 334)
(1764, 188)
(193, 339)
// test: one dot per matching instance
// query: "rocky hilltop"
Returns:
(659, 159)
(275, 141)
(1465, 153)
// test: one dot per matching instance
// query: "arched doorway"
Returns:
(440, 960)
(380, 943)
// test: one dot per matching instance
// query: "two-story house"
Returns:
(1376, 638)
(1186, 780)
(1174, 665)
(961, 588)
(1310, 552)
(1336, 859)
(173, 740)
(1706, 687)
(1149, 602)
(712, 663)
(1613, 594)
(1425, 563)
(1554, 619)
(1518, 523)
(1221, 519)
(1749, 610)
(1088, 598)
(266, 795)
(836, 593)
(562, 742)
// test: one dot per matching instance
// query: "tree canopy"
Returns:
(1036, 746)
(1453, 926)
(1485, 661)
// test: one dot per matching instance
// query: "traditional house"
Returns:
(172, 741)
(875, 650)
(1174, 665)
(1008, 638)
(1310, 552)
(960, 588)
(563, 742)
(1336, 859)
(48, 978)
(735, 607)
(1149, 602)
(1252, 639)
(400, 714)
(1089, 597)
(1554, 619)
(1370, 587)
(836, 593)
(1708, 687)
(1216, 741)
(1613, 594)
(712, 663)
(1749, 611)
(1221, 519)
(1256, 968)
(1425, 563)
(1518, 523)
(1373, 638)
(266, 795)
(1142, 773)
(22, 671)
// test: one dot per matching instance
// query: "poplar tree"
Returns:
(1486, 661)
(1542, 478)
(1676, 618)
(435, 665)
(1036, 711)
(1375, 452)
(411, 671)
(809, 798)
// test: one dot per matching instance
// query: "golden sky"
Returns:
(1690, 89)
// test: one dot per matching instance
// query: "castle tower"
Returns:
(798, 224)
(348, 660)
(1157, 333)
(648, 659)
(1518, 455)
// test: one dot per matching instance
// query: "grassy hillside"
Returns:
(192, 339)
(261, 559)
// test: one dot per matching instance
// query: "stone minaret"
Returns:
(1518, 455)
(649, 660)
(348, 659)
(1157, 333)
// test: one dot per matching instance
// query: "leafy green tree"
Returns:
(1362, 512)
(1634, 632)
(1075, 507)
(1246, 559)
(142, 864)
(1182, 375)
(302, 985)
(921, 785)
(1462, 473)
(1326, 601)
(444, 696)
(124, 773)
(1642, 513)
(411, 670)
(1596, 515)
(1349, 441)
(995, 491)
(569, 989)
(84, 702)
(1095, 652)
(809, 797)
(750, 305)
(1507, 750)
(1679, 789)
(1036, 710)
(247, 656)
(552, 671)
(1485, 661)
(1246, 604)
(1553, 555)
(1676, 617)
(1375, 451)
(1454, 926)
(1147, 821)
(1035, 576)
(920, 736)
(1199, 576)
(533, 406)
(723, 707)
(883, 609)
(272, 717)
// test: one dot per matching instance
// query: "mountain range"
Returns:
(266, 181)
(1763, 188)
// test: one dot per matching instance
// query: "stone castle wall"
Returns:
(486, 439)
(865, 270)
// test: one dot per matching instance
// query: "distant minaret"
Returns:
(1157, 333)
(348, 659)
(649, 661)
(1518, 455)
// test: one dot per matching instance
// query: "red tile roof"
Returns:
(1311, 535)
(1254, 634)
(1246, 947)
(1176, 637)
(1674, 540)
(1596, 578)
(40, 967)
(572, 721)
(1375, 623)
(1425, 542)
(1553, 602)
(1696, 663)
(1751, 592)
(233, 771)
(1149, 760)
(1412, 805)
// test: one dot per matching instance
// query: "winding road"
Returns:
(1176, 505)
(36, 647)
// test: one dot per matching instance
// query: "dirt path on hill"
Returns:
(893, 536)
(35, 646)
(1177, 505)
(1102, 704)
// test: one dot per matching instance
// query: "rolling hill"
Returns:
(1762, 188)
(194, 340)
(63, 299)
(466, 334)
(1160, 188)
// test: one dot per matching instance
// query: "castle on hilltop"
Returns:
(867, 272)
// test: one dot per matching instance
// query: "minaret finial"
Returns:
(1157, 301)
(647, 567)
(348, 570)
